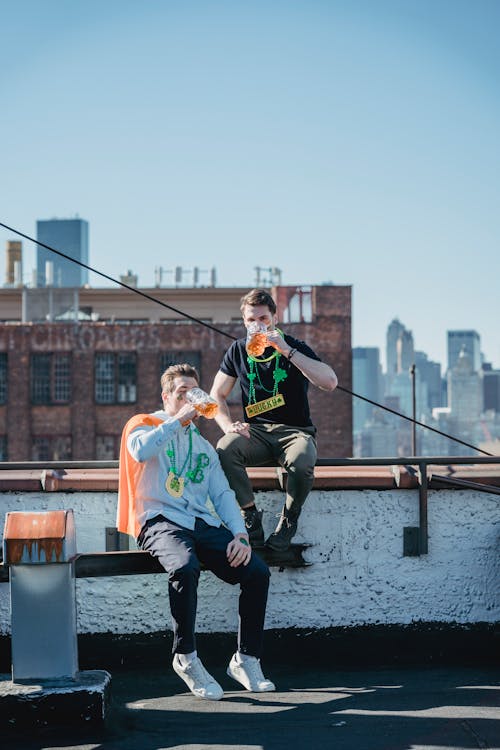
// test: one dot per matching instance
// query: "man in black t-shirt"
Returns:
(277, 424)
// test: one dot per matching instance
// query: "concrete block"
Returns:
(83, 700)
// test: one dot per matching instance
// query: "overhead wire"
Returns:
(225, 333)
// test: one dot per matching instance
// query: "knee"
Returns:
(229, 448)
(300, 458)
(258, 573)
(187, 573)
(302, 466)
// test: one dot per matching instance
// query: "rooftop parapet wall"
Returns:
(358, 574)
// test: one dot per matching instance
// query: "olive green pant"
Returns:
(293, 448)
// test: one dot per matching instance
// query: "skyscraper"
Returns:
(491, 389)
(400, 349)
(70, 236)
(406, 351)
(394, 331)
(430, 373)
(366, 380)
(465, 390)
(470, 342)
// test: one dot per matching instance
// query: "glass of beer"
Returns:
(202, 402)
(256, 338)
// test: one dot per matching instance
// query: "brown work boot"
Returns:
(253, 525)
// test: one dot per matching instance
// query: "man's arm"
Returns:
(318, 373)
(238, 550)
(146, 441)
(221, 388)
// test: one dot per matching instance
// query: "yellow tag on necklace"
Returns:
(174, 485)
(266, 405)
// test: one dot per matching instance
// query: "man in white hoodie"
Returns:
(167, 473)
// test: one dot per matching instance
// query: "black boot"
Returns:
(280, 539)
(253, 525)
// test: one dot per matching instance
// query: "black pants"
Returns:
(180, 551)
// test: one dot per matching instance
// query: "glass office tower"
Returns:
(470, 342)
(70, 236)
(366, 380)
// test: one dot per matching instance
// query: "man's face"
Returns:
(173, 400)
(259, 314)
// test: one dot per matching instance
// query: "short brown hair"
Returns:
(258, 297)
(177, 371)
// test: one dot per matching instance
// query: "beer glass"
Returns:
(202, 402)
(256, 339)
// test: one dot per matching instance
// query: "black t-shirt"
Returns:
(295, 411)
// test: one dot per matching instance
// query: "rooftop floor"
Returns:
(435, 708)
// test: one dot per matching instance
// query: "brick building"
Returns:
(68, 386)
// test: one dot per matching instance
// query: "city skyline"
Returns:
(422, 350)
(355, 144)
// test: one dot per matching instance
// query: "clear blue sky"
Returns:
(347, 141)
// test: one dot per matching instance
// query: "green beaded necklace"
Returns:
(175, 482)
(279, 374)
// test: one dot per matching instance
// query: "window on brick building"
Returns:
(51, 448)
(3, 378)
(50, 378)
(115, 378)
(3, 448)
(107, 447)
(299, 308)
(61, 365)
(179, 358)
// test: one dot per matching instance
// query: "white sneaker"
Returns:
(248, 673)
(198, 680)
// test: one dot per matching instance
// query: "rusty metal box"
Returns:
(39, 537)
